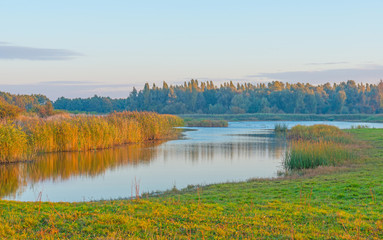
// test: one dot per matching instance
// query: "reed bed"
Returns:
(23, 138)
(318, 145)
(280, 128)
(304, 155)
(207, 123)
(319, 132)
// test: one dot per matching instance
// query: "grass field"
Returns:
(326, 203)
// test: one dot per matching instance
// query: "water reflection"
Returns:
(11, 180)
(186, 156)
(198, 152)
(58, 167)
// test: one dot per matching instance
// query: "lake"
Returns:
(239, 152)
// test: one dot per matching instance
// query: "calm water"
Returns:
(205, 155)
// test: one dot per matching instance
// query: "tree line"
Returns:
(12, 105)
(205, 97)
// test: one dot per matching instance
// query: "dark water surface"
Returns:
(203, 156)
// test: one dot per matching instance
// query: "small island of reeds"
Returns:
(206, 123)
(280, 128)
(318, 145)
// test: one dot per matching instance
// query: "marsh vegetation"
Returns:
(206, 123)
(280, 128)
(318, 145)
(24, 137)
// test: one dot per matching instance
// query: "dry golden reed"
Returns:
(319, 132)
(24, 137)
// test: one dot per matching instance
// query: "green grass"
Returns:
(326, 203)
(205, 123)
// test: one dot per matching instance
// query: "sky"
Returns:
(81, 48)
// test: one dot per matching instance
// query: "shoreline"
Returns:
(377, 118)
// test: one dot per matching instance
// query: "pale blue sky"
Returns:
(87, 47)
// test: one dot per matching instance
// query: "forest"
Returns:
(205, 97)
(12, 105)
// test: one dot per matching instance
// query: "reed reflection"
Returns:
(62, 166)
(11, 180)
(219, 158)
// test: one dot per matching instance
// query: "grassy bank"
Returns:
(287, 117)
(205, 123)
(327, 203)
(24, 137)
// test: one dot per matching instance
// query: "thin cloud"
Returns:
(368, 74)
(8, 52)
(61, 83)
(110, 89)
(327, 63)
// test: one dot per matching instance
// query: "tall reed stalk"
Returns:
(24, 137)
(319, 132)
(318, 145)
